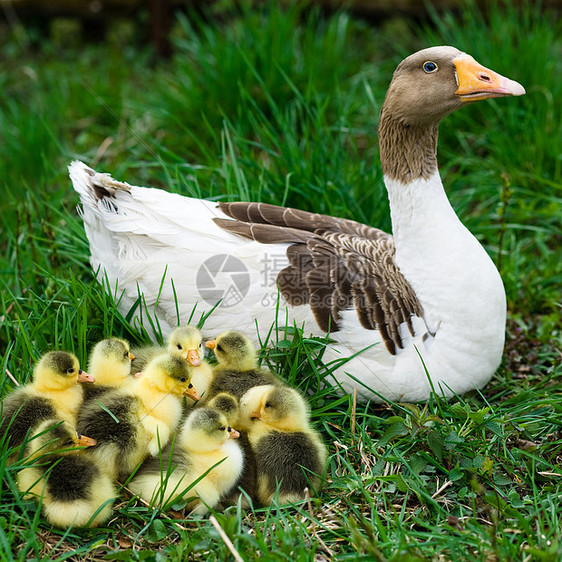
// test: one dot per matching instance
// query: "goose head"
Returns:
(430, 84)
(425, 87)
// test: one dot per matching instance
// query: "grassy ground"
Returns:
(282, 106)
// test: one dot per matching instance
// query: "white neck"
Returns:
(456, 282)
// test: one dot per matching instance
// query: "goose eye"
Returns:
(70, 442)
(268, 405)
(218, 348)
(71, 371)
(183, 379)
(222, 428)
(430, 67)
(179, 346)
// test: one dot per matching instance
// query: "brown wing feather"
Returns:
(335, 264)
(265, 213)
(292, 280)
(264, 233)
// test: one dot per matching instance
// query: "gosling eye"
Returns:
(70, 443)
(222, 428)
(71, 371)
(179, 346)
(430, 67)
(218, 348)
(268, 405)
(183, 379)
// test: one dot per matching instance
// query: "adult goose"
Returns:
(424, 308)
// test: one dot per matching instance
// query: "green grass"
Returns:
(282, 106)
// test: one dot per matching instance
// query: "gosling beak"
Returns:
(255, 415)
(193, 358)
(192, 393)
(476, 82)
(232, 433)
(85, 377)
(138, 375)
(131, 356)
(211, 344)
(84, 441)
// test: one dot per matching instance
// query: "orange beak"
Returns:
(85, 377)
(476, 82)
(86, 441)
(192, 393)
(131, 356)
(232, 433)
(193, 358)
(211, 344)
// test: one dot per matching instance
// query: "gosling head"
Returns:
(234, 351)
(59, 370)
(186, 342)
(281, 407)
(170, 374)
(206, 429)
(110, 362)
(227, 405)
(58, 436)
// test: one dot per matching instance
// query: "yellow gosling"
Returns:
(237, 369)
(185, 342)
(206, 445)
(132, 423)
(290, 455)
(73, 490)
(54, 392)
(110, 365)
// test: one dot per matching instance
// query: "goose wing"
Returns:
(335, 264)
